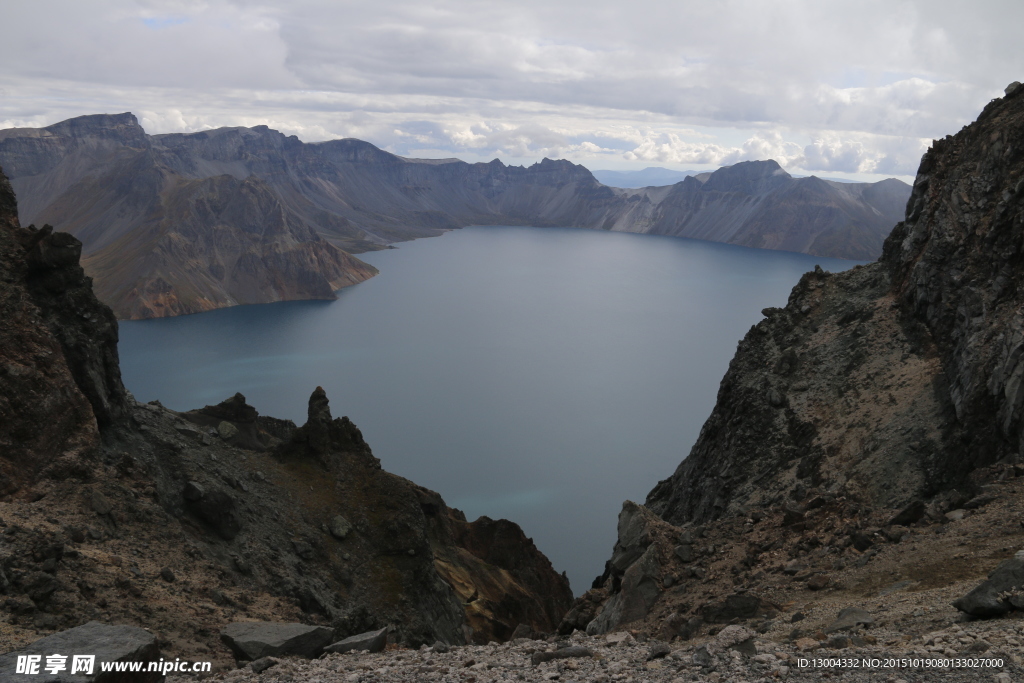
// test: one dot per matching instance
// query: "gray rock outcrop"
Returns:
(252, 640)
(108, 643)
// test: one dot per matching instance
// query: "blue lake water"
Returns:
(539, 374)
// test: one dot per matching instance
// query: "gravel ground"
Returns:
(733, 654)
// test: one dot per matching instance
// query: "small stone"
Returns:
(980, 646)
(792, 515)
(684, 552)
(734, 637)
(227, 431)
(303, 549)
(262, 664)
(794, 567)
(838, 642)
(701, 656)
(818, 582)
(908, 515)
(955, 515)
(850, 618)
(440, 647)
(658, 650)
(340, 527)
(167, 575)
(99, 503)
(806, 644)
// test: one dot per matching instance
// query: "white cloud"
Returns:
(828, 85)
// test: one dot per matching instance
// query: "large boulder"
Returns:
(995, 595)
(250, 640)
(371, 641)
(108, 643)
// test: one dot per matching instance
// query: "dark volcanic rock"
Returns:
(995, 596)
(258, 639)
(56, 381)
(107, 643)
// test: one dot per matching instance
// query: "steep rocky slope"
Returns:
(161, 242)
(241, 215)
(182, 522)
(758, 204)
(863, 433)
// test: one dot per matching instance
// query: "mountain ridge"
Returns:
(103, 179)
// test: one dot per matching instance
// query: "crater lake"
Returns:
(544, 375)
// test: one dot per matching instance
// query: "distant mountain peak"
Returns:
(749, 177)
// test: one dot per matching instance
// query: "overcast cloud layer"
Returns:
(822, 87)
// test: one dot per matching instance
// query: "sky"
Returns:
(834, 88)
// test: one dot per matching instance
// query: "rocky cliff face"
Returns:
(757, 204)
(163, 242)
(242, 215)
(876, 399)
(894, 380)
(116, 511)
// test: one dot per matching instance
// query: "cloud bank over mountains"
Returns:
(857, 88)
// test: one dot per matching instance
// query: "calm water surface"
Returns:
(543, 375)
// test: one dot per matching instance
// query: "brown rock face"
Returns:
(499, 575)
(219, 242)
